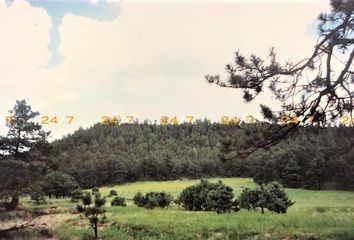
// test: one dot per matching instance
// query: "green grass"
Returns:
(315, 215)
(173, 187)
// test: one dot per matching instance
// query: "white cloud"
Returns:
(151, 60)
(24, 52)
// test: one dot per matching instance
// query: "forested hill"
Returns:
(111, 154)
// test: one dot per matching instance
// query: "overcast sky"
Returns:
(141, 58)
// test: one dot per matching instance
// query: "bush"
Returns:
(139, 199)
(276, 198)
(37, 194)
(59, 184)
(249, 198)
(270, 196)
(113, 193)
(207, 196)
(119, 201)
(38, 198)
(153, 200)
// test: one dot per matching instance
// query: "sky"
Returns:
(147, 59)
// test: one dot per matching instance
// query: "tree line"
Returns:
(315, 157)
(109, 154)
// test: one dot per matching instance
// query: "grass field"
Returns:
(315, 215)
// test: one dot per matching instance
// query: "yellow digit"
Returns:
(190, 118)
(224, 120)
(45, 120)
(105, 120)
(174, 120)
(285, 120)
(71, 118)
(131, 118)
(250, 119)
(235, 120)
(164, 120)
(310, 119)
(9, 119)
(54, 120)
(295, 120)
(115, 120)
(345, 120)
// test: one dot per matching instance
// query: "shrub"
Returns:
(59, 184)
(119, 201)
(113, 193)
(139, 199)
(93, 209)
(153, 200)
(270, 196)
(276, 198)
(37, 194)
(207, 196)
(249, 198)
(38, 198)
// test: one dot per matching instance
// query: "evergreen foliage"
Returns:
(267, 196)
(59, 184)
(76, 195)
(112, 193)
(23, 154)
(118, 201)
(207, 196)
(153, 200)
(124, 153)
(305, 89)
(93, 209)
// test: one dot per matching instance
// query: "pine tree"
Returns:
(326, 98)
(266, 196)
(19, 170)
(93, 209)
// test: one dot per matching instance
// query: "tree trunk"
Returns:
(15, 200)
(95, 229)
(262, 210)
(10, 206)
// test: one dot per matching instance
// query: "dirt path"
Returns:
(50, 220)
(46, 222)
(42, 224)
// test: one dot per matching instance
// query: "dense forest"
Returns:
(313, 158)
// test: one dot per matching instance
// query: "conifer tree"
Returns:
(20, 167)
(93, 209)
(326, 97)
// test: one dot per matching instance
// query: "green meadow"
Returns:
(315, 215)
